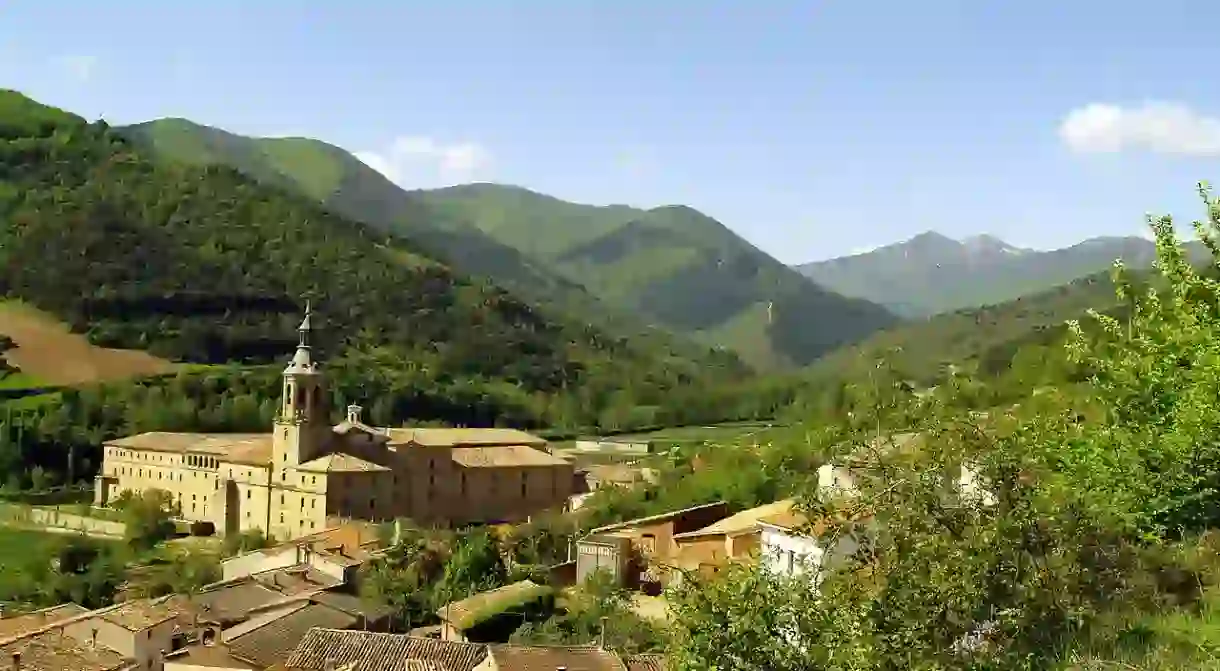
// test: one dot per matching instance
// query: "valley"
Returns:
(498, 420)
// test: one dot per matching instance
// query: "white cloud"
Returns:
(1162, 128)
(80, 68)
(420, 162)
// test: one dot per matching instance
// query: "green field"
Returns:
(22, 554)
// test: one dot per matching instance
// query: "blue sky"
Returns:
(811, 128)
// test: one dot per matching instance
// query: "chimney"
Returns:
(16, 661)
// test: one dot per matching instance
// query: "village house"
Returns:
(792, 545)
(336, 553)
(842, 476)
(634, 551)
(734, 538)
(306, 474)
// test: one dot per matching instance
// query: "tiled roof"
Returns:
(654, 519)
(474, 609)
(338, 462)
(206, 656)
(140, 614)
(544, 658)
(17, 625)
(234, 601)
(54, 651)
(380, 652)
(430, 437)
(504, 455)
(219, 444)
(645, 662)
(741, 522)
(275, 640)
(254, 453)
(352, 605)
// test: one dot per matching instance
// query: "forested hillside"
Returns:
(208, 266)
(673, 264)
(344, 185)
(985, 339)
(672, 267)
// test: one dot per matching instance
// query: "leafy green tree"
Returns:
(149, 518)
(1098, 487)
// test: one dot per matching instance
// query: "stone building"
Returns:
(306, 474)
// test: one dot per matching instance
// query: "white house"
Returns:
(787, 549)
(842, 476)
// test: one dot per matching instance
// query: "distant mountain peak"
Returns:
(989, 244)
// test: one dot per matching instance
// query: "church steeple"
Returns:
(302, 361)
(301, 426)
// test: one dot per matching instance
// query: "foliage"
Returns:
(474, 565)
(45, 569)
(1100, 489)
(148, 516)
(245, 541)
(669, 265)
(347, 186)
(600, 612)
(204, 265)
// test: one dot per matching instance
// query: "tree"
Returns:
(1098, 487)
(149, 518)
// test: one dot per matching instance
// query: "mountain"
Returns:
(932, 273)
(671, 267)
(208, 265)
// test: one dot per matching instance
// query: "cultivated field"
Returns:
(48, 354)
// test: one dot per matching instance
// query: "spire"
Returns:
(302, 361)
(306, 326)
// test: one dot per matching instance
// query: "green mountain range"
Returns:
(205, 264)
(932, 273)
(669, 267)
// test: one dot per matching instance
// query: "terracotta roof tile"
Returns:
(219, 444)
(274, 641)
(339, 462)
(439, 437)
(545, 658)
(645, 662)
(504, 455)
(140, 614)
(17, 625)
(370, 651)
(54, 651)
(741, 522)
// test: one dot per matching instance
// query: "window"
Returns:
(281, 518)
(281, 499)
(524, 489)
(312, 502)
(248, 492)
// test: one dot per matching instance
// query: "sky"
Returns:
(813, 129)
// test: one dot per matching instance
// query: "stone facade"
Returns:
(306, 473)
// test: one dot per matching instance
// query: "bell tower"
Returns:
(301, 426)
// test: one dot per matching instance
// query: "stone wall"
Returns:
(52, 519)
